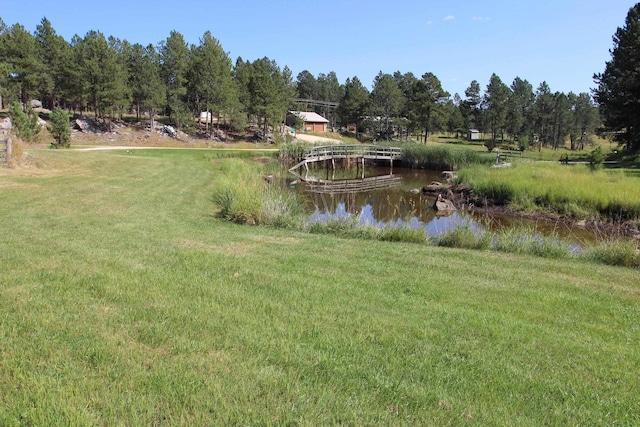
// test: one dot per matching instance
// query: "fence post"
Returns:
(8, 151)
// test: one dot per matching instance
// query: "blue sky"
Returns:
(562, 42)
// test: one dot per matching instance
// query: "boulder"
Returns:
(444, 205)
(85, 124)
(434, 187)
(449, 175)
(170, 130)
(5, 123)
(34, 103)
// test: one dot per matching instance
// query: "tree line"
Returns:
(112, 77)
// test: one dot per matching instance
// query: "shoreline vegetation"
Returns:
(567, 193)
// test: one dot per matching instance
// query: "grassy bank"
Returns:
(124, 301)
(571, 190)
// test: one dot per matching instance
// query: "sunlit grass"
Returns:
(124, 300)
(571, 190)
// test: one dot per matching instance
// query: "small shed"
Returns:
(473, 134)
(312, 122)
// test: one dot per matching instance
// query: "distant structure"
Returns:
(312, 122)
(473, 134)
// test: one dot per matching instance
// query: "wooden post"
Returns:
(8, 151)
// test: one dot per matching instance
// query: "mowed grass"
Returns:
(125, 301)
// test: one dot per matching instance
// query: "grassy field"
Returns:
(125, 301)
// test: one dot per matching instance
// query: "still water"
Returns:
(382, 196)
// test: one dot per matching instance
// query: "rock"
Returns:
(5, 123)
(34, 103)
(581, 223)
(41, 122)
(416, 191)
(170, 130)
(434, 187)
(219, 134)
(444, 205)
(85, 124)
(449, 175)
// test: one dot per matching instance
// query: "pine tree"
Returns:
(495, 103)
(618, 91)
(174, 57)
(428, 106)
(354, 104)
(59, 128)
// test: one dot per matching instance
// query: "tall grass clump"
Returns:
(244, 197)
(350, 227)
(524, 240)
(294, 150)
(441, 157)
(622, 253)
(462, 236)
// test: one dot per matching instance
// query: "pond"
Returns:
(380, 196)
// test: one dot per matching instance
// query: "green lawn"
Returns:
(124, 301)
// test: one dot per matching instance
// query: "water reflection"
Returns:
(338, 194)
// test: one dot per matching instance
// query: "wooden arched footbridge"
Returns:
(362, 152)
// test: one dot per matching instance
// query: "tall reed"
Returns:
(243, 196)
(441, 157)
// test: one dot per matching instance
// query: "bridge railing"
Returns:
(328, 151)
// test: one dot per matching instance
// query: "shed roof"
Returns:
(310, 117)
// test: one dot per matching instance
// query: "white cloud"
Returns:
(449, 18)
(480, 18)
(429, 22)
